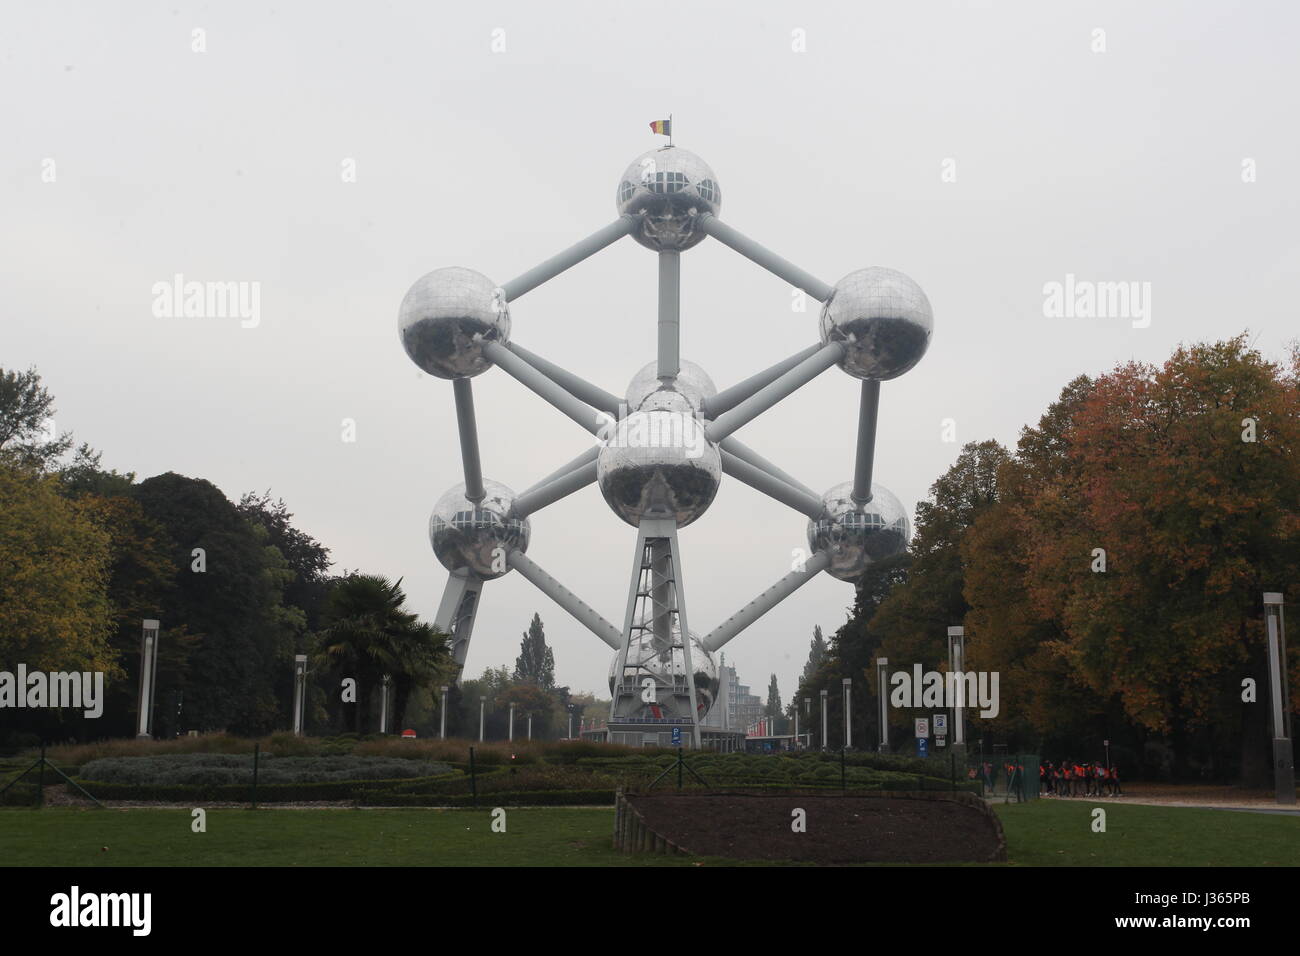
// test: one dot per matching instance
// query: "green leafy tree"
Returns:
(27, 433)
(227, 585)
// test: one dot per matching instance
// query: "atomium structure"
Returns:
(662, 447)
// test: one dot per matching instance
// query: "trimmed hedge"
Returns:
(501, 798)
(237, 793)
(217, 769)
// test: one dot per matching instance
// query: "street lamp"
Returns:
(482, 713)
(882, 695)
(148, 676)
(848, 708)
(1283, 767)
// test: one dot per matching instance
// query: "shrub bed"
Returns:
(237, 769)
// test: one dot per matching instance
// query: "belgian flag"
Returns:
(662, 127)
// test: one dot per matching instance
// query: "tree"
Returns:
(816, 654)
(226, 586)
(1185, 479)
(535, 662)
(306, 557)
(54, 568)
(27, 435)
(773, 706)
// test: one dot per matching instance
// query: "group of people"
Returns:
(1071, 779)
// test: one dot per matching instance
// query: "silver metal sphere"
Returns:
(445, 318)
(659, 464)
(856, 535)
(477, 537)
(692, 382)
(884, 320)
(667, 188)
(667, 666)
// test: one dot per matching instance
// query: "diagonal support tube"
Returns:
(769, 599)
(469, 457)
(591, 394)
(569, 258)
(769, 395)
(803, 502)
(596, 422)
(565, 598)
(749, 456)
(729, 398)
(586, 457)
(670, 317)
(770, 261)
(538, 498)
(867, 412)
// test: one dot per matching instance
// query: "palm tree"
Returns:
(369, 633)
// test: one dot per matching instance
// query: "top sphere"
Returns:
(667, 188)
(882, 318)
(447, 316)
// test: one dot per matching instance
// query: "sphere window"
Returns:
(670, 182)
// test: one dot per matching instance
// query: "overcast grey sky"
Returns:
(128, 157)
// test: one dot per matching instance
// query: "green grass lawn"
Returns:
(1041, 833)
(1051, 833)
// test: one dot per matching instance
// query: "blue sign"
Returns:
(922, 747)
(677, 736)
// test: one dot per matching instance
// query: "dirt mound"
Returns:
(849, 828)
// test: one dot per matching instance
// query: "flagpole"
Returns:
(670, 129)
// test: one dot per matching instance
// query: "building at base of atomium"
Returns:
(661, 448)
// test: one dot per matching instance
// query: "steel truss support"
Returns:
(656, 604)
(456, 613)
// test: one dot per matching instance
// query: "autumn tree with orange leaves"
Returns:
(1122, 569)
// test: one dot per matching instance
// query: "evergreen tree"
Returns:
(816, 655)
(536, 662)
(773, 708)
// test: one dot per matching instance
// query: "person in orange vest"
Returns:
(1114, 782)
(1067, 779)
(1078, 780)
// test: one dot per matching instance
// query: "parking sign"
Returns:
(677, 736)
